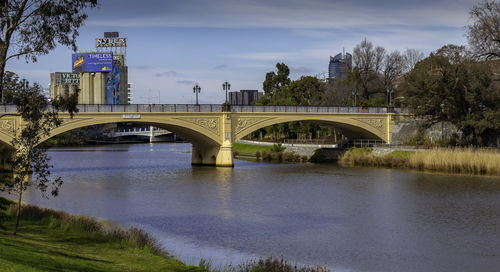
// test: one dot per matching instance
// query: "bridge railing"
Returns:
(218, 108)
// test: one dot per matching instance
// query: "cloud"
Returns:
(220, 67)
(322, 14)
(301, 70)
(168, 74)
(186, 82)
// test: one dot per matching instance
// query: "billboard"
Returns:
(113, 85)
(111, 42)
(92, 62)
(66, 78)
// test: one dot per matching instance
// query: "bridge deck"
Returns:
(218, 108)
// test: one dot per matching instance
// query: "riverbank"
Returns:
(50, 240)
(457, 160)
(53, 240)
(269, 153)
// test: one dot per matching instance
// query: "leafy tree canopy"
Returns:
(30, 28)
(450, 86)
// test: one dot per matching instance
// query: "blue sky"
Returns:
(174, 44)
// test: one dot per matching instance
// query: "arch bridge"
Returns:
(212, 129)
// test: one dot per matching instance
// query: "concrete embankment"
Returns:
(300, 149)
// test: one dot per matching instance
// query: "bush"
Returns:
(277, 265)
(278, 148)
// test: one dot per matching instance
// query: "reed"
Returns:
(457, 160)
(468, 161)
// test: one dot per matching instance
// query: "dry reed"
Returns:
(458, 160)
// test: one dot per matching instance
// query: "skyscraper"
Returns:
(339, 65)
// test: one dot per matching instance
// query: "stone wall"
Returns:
(405, 128)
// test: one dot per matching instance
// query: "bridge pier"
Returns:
(221, 156)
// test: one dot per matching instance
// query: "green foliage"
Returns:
(360, 150)
(30, 162)
(278, 265)
(274, 82)
(31, 28)
(250, 149)
(450, 86)
(374, 102)
(278, 148)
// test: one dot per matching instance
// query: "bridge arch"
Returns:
(352, 126)
(194, 129)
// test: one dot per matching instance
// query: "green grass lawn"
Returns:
(249, 149)
(40, 247)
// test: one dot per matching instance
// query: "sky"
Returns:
(172, 44)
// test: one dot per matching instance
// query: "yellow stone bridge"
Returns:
(211, 129)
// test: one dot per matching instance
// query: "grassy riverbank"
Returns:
(458, 160)
(56, 241)
(250, 149)
(50, 240)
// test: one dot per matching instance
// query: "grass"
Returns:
(458, 160)
(49, 240)
(250, 149)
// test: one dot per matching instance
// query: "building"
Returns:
(99, 77)
(244, 97)
(339, 65)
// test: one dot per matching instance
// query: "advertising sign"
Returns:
(92, 62)
(116, 89)
(63, 78)
(111, 42)
(109, 87)
(113, 86)
(120, 58)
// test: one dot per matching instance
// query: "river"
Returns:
(350, 219)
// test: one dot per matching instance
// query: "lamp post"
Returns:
(355, 94)
(196, 90)
(226, 87)
(390, 91)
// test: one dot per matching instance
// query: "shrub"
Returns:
(278, 148)
(277, 265)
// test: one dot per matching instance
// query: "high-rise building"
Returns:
(339, 65)
(244, 97)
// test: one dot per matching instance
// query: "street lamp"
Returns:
(196, 90)
(390, 91)
(355, 94)
(226, 87)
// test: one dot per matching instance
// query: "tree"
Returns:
(305, 91)
(451, 86)
(31, 28)
(30, 163)
(337, 91)
(393, 68)
(274, 82)
(410, 58)
(368, 63)
(484, 33)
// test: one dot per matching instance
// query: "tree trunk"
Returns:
(18, 214)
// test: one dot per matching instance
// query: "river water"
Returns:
(350, 219)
